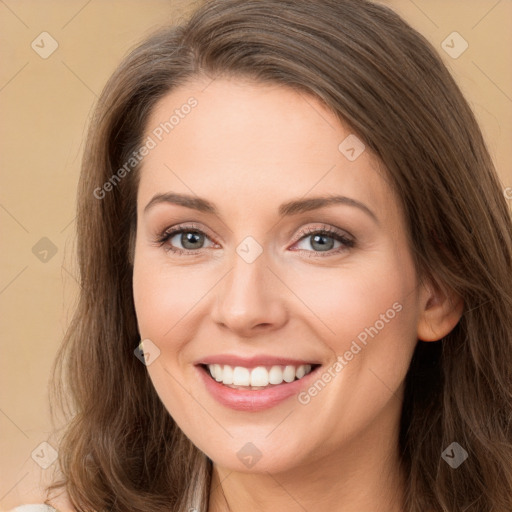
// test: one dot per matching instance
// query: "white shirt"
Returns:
(34, 508)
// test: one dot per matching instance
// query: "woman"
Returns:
(291, 204)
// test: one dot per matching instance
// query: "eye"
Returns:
(324, 240)
(190, 238)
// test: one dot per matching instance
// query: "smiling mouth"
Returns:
(259, 377)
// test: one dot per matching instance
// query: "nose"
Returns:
(250, 299)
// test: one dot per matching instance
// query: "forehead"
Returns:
(252, 144)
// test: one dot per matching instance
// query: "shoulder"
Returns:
(61, 505)
(33, 508)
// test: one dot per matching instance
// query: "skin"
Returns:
(247, 148)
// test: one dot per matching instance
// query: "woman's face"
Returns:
(253, 281)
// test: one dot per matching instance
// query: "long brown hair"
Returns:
(121, 449)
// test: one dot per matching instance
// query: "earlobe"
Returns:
(440, 312)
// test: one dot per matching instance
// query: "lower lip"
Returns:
(256, 400)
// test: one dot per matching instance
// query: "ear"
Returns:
(440, 311)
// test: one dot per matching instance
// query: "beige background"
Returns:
(45, 104)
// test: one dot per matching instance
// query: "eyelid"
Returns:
(171, 231)
(331, 230)
(185, 226)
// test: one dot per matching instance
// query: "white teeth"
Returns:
(241, 376)
(227, 375)
(260, 376)
(289, 374)
(275, 375)
(217, 372)
(301, 371)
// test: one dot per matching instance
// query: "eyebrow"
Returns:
(289, 208)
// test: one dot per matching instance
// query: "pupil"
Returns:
(190, 238)
(323, 245)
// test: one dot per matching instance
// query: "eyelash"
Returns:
(325, 230)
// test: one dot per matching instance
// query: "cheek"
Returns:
(368, 321)
(163, 296)
(352, 303)
(164, 300)
(368, 317)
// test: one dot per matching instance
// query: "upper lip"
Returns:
(252, 362)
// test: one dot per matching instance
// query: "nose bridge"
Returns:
(250, 296)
